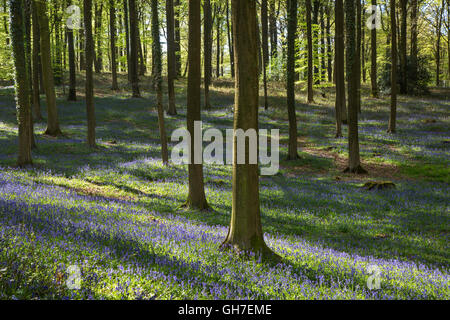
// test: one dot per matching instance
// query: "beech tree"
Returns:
(22, 80)
(171, 56)
(310, 52)
(373, 47)
(292, 35)
(207, 44)
(112, 35)
(352, 61)
(134, 43)
(196, 198)
(72, 72)
(393, 114)
(89, 48)
(245, 232)
(53, 128)
(340, 104)
(158, 80)
(265, 46)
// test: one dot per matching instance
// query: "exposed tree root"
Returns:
(261, 253)
(356, 170)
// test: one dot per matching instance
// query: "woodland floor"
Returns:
(115, 211)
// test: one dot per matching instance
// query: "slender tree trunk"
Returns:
(196, 198)
(245, 232)
(310, 52)
(5, 23)
(230, 39)
(207, 38)
(273, 29)
(98, 33)
(171, 56)
(414, 50)
(112, 31)
(72, 72)
(322, 44)
(315, 38)
(438, 44)
(158, 80)
(127, 36)
(72, 75)
(134, 42)
(57, 66)
(23, 94)
(329, 48)
(448, 37)
(177, 37)
(373, 67)
(363, 42)
(339, 66)
(265, 47)
(89, 46)
(53, 128)
(27, 11)
(354, 164)
(292, 35)
(403, 45)
(218, 31)
(36, 65)
(393, 115)
(358, 53)
(82, 52)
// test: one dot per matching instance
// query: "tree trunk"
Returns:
(403, 61)
(23, 94)
(273, 29)
(329, 48)
(265, 47)
(354, 165)
(57, 67)
(196, 198)
(363, 42)
(393, 115)
(36, 65)
(322, 44)
(127, 36)
(98, 33)
(292, 35)
(245, 232)
(82, 53)
(207, 38)
(414, 51)
(112, 32)
(339, 67)
(177, 37)
(358, 53)
(72, 75)
(373, 67)
(53, 128)
(134, 43)
(230, 39)
(5, 23)
(310, 52)
(158, 80)
(218, 31)
(89, 47)
(438, 44)
(171, 56)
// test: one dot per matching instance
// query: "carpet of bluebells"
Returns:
(114, 212)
